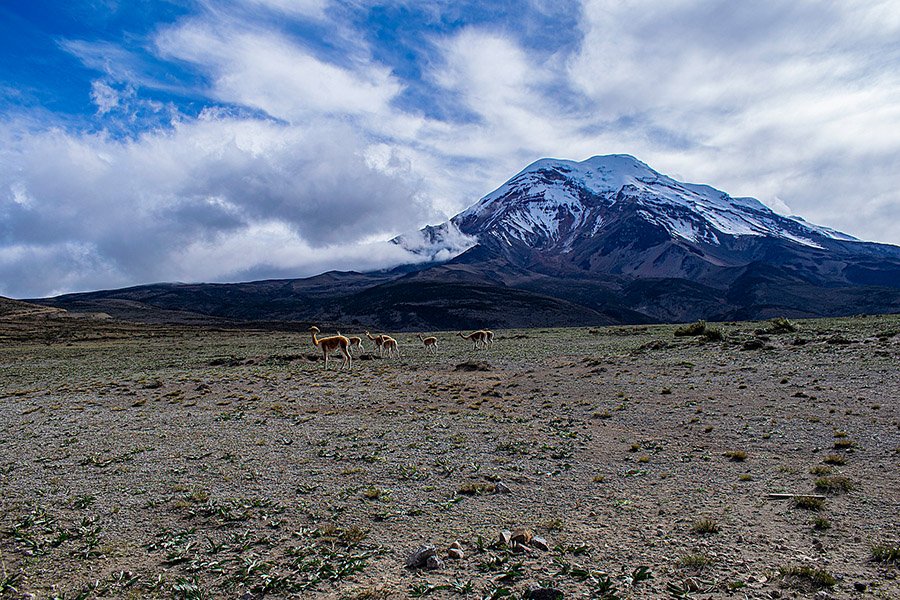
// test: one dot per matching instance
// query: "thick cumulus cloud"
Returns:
(82, 211)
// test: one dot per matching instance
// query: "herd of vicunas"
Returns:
(386, 344)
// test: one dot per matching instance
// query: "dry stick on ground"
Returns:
(477, 337)
(791, 496)
(430, 343)
(330, 344)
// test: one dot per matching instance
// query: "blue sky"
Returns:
(181, 140)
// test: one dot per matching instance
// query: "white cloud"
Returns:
(134, 209)
(266, 70)
(105, 97)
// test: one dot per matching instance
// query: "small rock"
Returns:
(543, 593)
(456, 545)
(456, 554)
(505, 537)
(859, 586)
(822, 595)
(539, 543)
(521, 536)
(434, 563)
(502, 488)
(775, 594)
(420, 557)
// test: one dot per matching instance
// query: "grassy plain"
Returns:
(164, 462)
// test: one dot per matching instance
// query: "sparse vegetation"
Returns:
(705, 526)
(834, 484)
(886, 553)
(806, 577)
(809, 503)
(736, 455)
(131, 467)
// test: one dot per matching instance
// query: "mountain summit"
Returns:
(615, 214)
(606, 240)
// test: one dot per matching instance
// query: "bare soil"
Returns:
(189, 462)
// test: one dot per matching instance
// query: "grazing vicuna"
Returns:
(430, 343)
(477, 337)
(330, 344)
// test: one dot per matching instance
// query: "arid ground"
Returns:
(163, 462)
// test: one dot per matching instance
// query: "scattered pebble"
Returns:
(420, 557)
(540, 543)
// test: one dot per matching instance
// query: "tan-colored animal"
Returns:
(489, 337)
(355, 342)
(429, 342)
(389, 344)
(331, 344)
(379, 341)
(477, 337)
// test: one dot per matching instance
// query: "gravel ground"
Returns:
(155, 462)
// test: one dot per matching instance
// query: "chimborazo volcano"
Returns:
(607, 240)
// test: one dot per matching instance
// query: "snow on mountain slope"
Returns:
(554, 203)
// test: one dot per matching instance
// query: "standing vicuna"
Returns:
(330, 344)
(379, 341)
(355, 342)
(390, 344)
(430, 343)
(478, 337)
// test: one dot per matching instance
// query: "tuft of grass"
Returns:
(821, 524)
(844, 444)
(834, 459)
(886, 553)
(809, 503)
(834, 485)
(745, 477)
(806, 577)
(820, 470)
(476, 489)
(780, 325)
(701, 329)
(713, 334)
(735, 455)
(599, 478)
(705, 526)
(694, 561)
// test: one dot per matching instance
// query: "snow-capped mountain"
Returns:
(554, 205)
(663, 248)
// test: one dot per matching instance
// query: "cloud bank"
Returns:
(264, 138)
